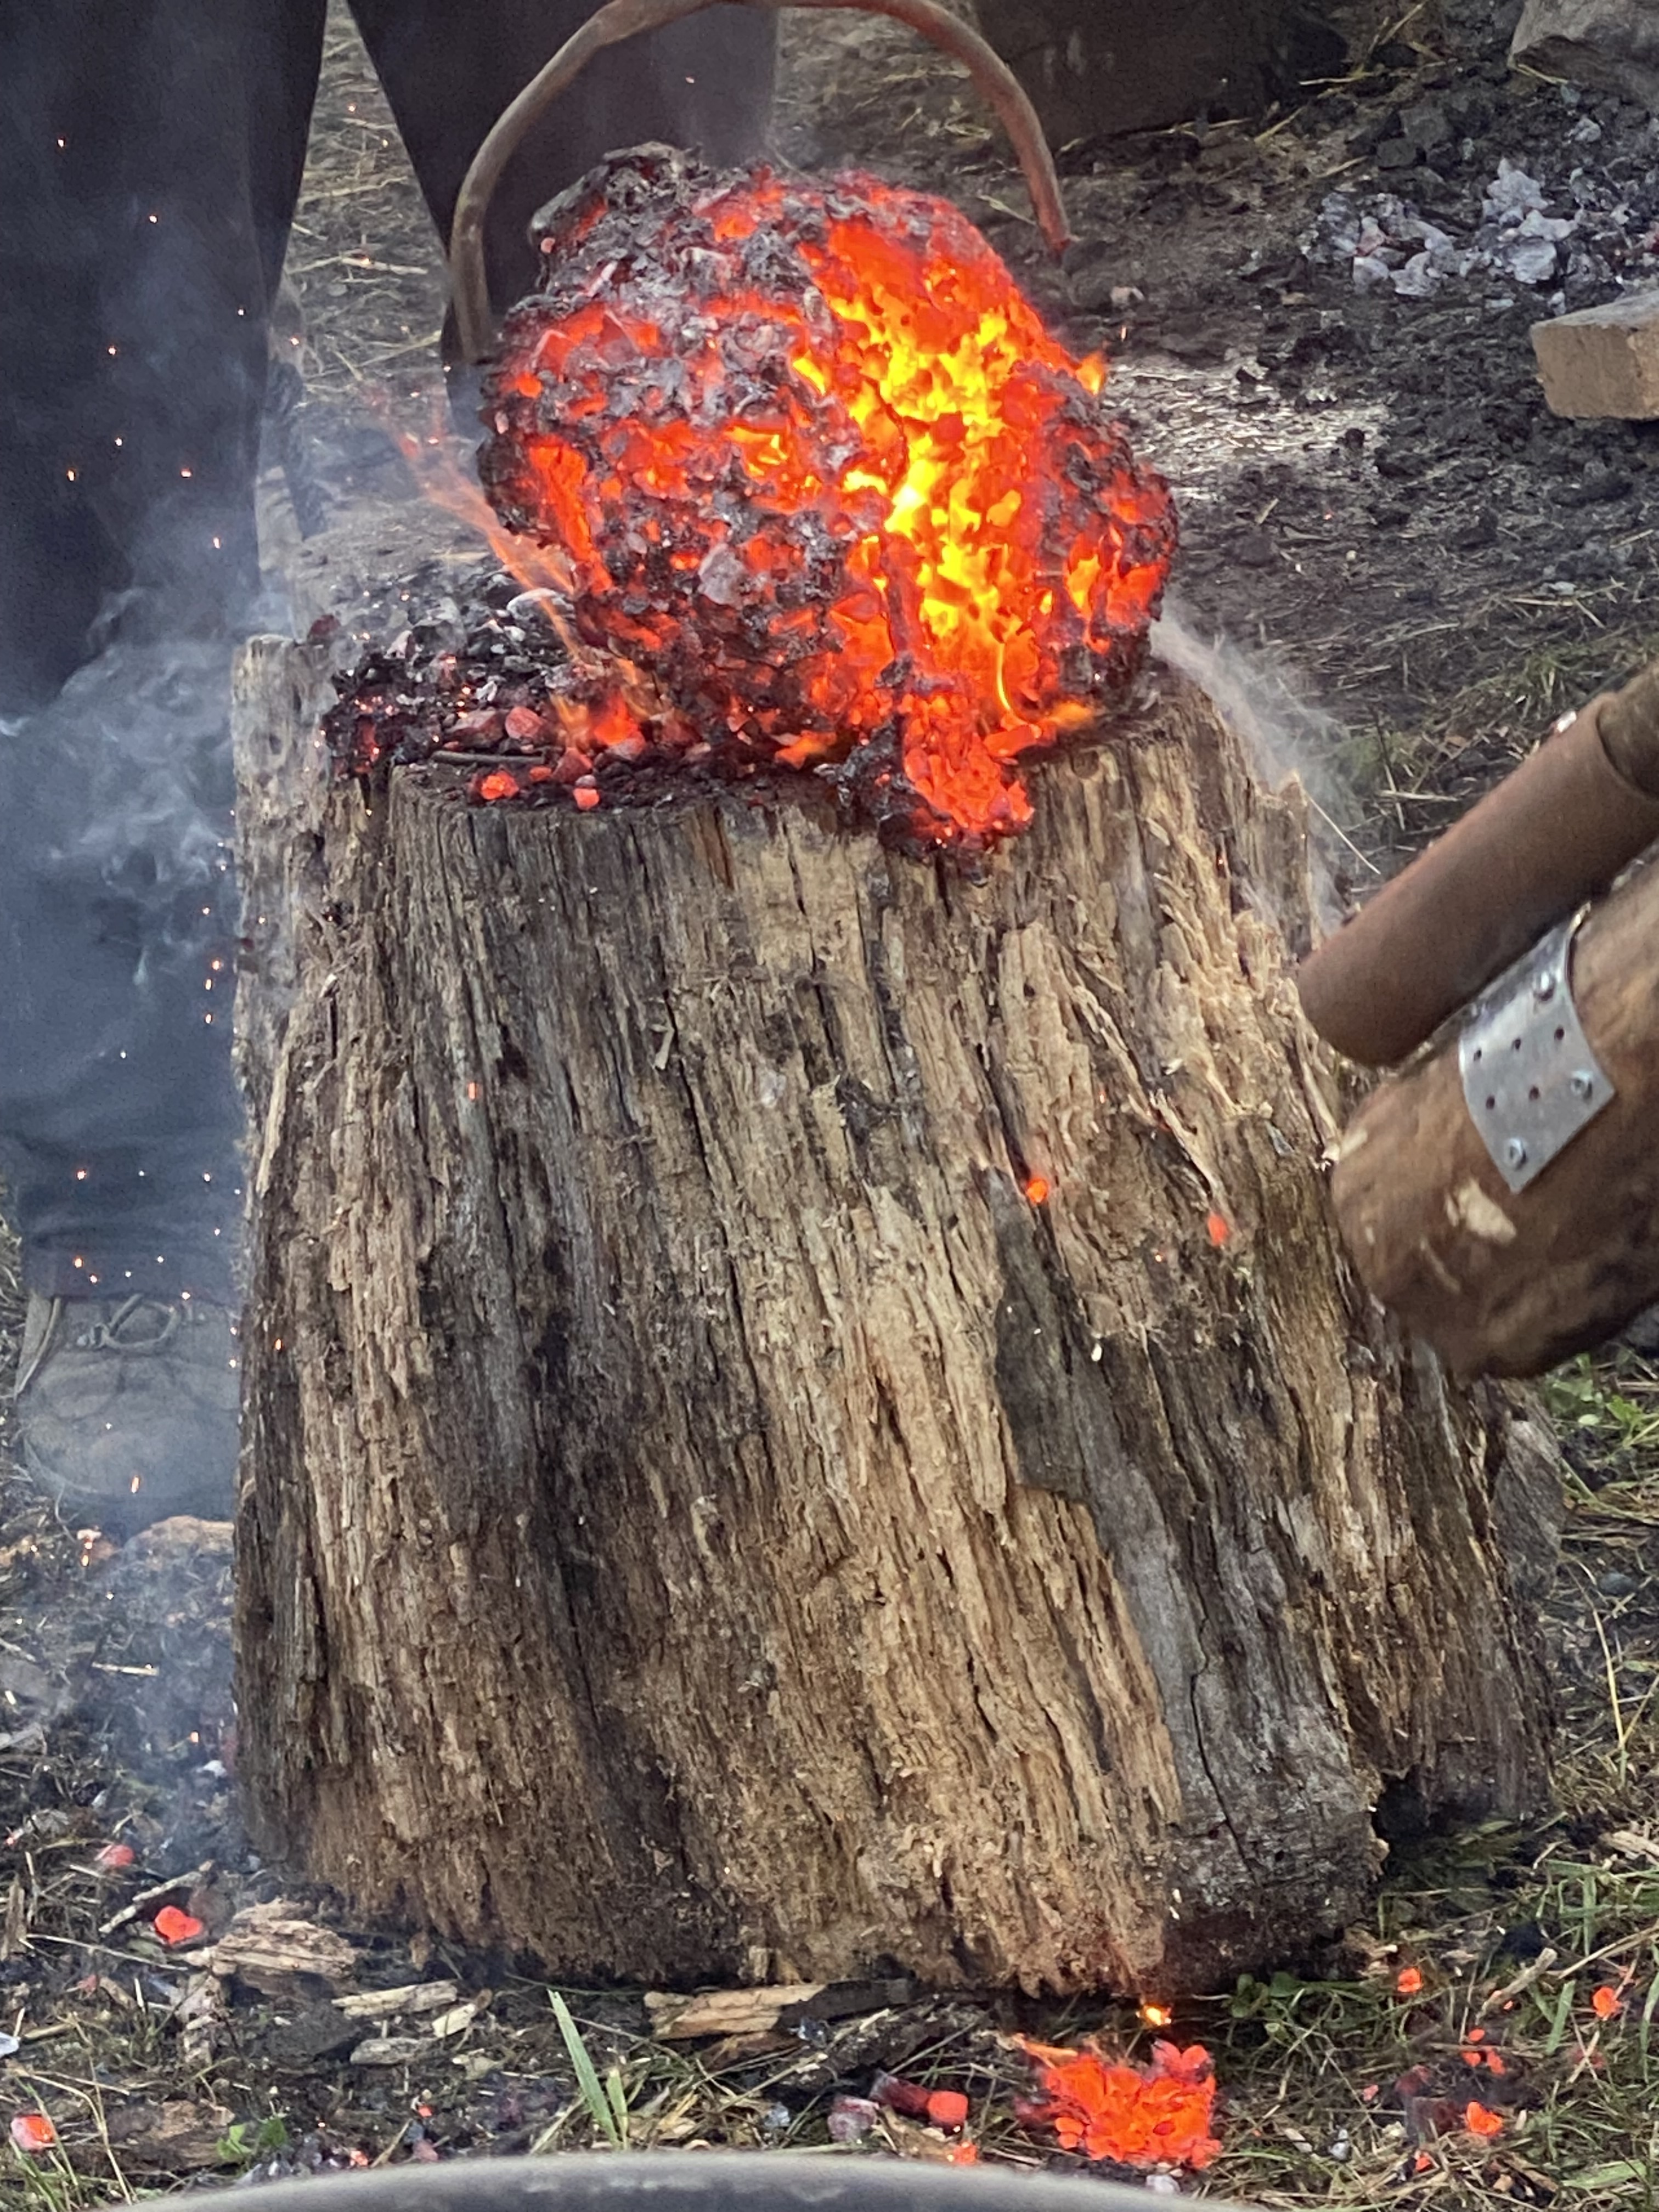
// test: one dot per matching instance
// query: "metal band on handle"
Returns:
(1530, 1079)
(623, 19)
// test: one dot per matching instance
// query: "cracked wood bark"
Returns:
(701, 1519)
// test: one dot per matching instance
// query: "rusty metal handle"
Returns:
(621, 19)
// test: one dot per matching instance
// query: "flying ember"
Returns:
(822, 480)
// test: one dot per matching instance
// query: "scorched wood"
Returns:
(804, 1410)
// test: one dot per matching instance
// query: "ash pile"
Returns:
(1568, 232)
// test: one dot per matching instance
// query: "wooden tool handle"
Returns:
(1508, 1283)
(1630, 730)
(1553, 834)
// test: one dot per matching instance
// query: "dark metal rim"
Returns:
(714, 2181)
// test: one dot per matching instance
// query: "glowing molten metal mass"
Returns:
(822, 478)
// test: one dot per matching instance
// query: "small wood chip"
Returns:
(461, 2015)
(391, 2050)
(725, 2011)
(761, 2011)
(1522, 1982)
(200, 2015)
(272, 1949)
(170, 2137)
(411, 1997)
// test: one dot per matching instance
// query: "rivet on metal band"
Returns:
(1530, 1080)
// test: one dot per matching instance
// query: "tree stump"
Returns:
(805, 1412)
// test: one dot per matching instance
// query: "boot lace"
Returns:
(137, 1324)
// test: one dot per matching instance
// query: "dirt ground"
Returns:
(1418, 567)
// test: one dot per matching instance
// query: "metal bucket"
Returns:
(692, 2181)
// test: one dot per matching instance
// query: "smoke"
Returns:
(1284, 733)
(125, 775)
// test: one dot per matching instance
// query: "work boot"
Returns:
(127, 1408)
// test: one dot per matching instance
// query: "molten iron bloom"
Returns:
(824, 483)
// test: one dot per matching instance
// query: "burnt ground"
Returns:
(1399, 545)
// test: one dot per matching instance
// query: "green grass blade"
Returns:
(587, 2078)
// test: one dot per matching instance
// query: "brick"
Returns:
(1602, 361)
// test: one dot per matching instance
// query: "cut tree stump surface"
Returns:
(703, 1520)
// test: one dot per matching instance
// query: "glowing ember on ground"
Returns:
(1138, 2115)
(941, 2108)
(33, 2132)
(824, 483)
(174, 1926)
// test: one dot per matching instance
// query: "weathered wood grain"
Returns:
(701, 1520)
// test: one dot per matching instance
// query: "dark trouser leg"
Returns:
(149, 159)
(450, 71)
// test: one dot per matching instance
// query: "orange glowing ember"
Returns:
(824, 483)
(1606, 2002)
(33, 2132)
(1408, 1981)
(1137, 2116)
(1480, 2121)
(174, 1926)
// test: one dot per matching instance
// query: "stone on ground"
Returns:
(1611, 45)
(1602, 361)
